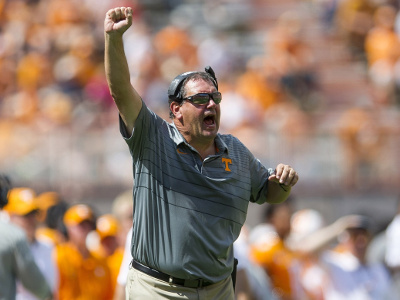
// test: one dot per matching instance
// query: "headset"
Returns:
(174, 90)
(5, 186)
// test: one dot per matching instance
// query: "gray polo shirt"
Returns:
(188, 212)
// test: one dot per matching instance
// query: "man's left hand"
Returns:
(285, 174)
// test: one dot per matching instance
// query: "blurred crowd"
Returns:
(78, 251)
(267, 56)
(292, 254)
(301, 256)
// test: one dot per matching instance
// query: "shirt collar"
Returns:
(220, 145)
(175, 135)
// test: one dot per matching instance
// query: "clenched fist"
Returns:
(285, 174)
(118, 20)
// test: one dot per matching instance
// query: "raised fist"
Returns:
(118, 20)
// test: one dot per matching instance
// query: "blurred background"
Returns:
(314, 84)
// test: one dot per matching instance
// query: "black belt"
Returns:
(191, 283)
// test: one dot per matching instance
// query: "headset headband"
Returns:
(175, 86)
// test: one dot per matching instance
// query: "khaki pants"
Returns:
(142, 286)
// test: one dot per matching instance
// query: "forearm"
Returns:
(118, 78)
(116, 66)
(277, 193)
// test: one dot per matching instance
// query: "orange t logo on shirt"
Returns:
(227, 161)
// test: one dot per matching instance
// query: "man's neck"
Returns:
(204, 149)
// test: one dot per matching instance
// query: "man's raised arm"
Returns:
(128, 101)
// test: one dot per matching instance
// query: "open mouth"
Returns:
(209, 120)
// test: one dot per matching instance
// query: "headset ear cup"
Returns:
(172, 88)
(175, 85)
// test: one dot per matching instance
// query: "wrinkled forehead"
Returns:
(199, 83)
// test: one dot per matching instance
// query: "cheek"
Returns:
(191, 117)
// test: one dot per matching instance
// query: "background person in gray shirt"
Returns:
(192, 185)
(16, 259)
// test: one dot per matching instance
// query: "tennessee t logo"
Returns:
(227, 161)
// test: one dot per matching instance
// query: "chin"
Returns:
(209, 134)
(209, 131)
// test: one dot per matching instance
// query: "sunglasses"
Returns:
(204, 98)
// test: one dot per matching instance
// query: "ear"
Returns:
(175, 108)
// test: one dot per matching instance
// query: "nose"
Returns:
(211, 103)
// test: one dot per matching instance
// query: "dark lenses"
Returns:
(203, 98)
(200, 98)
(217, 97)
